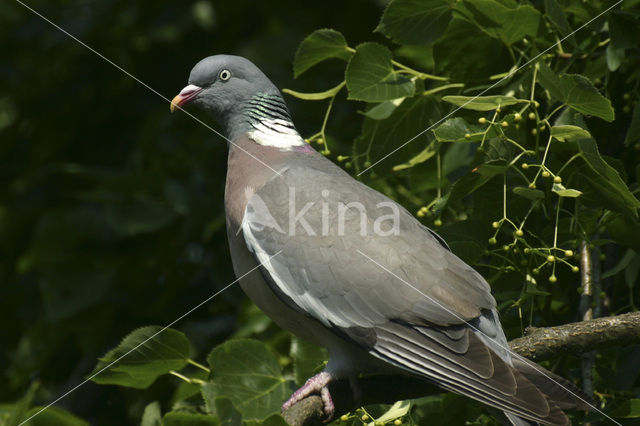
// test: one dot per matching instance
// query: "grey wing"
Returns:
(412, 297)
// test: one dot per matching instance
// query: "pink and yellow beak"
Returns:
(185, 95)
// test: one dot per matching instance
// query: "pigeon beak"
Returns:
(185, 95)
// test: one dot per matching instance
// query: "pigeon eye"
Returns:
(225, 75)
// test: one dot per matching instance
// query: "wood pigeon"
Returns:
(345, 267)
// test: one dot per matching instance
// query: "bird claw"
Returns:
(316, 384)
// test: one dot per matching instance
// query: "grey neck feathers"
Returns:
(265, 119)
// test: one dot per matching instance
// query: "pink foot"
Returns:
(317, 384)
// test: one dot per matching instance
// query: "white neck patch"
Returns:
(276, 132)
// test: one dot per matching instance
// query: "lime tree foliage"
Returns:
(512, 128)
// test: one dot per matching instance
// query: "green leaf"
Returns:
(183, 418)
(568, 133)
(308, 359)
(20, 408)
(422, 156)
(315, 96)
(483, 103)
(54, 416)
(533, 290)
(462, 53)
(383, 110)
(609, 183)
(318, 46)
(490, 170)
(152, 415)
(371, 78)
(396, 411)
(628, 410)
(633, 134)
(615, 57)
(143, 356)
(528, 193)
(246, 372)
(556, 15)
(455, 130)
(577, 92)
(415, 21)
(407, 122)
(559, 189)
(227, 413)
(510, 24)
(624, 29)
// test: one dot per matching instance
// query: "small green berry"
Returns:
(504, 124)
(348, 165)
(517, 127)
(537, 104)
(495, 225)
(397, 422)
(364, 417)
(603, 295)
(344, 418)
(482, 120)
(532, 116)
(420, 213)
(534, 132)
(517, 117)
(626, 96)
(519, 233)
(546, 174)
(553, 279)
(493, 241)
(506, 248)
(367, 163)
(575, 269)
(527, 250)
(467, 136)
(437, 222)
(341, 158)
(498, 109)
(532, 185)
(603, 256)
(557, 179)
(524, 166)
(568, 253)
(626, 109)
(551, 258)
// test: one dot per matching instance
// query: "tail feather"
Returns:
(560, 390)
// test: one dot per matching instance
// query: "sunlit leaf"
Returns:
(371, 77)
(142, 357)
(457, 129)
(565, 133)
(559, 189)
(415, 21)
(483, 103)
(246, 372)
(318, 46)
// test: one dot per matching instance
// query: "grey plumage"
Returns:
(380, 299)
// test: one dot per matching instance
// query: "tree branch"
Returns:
(538, 344)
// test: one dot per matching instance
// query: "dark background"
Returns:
(111, 208)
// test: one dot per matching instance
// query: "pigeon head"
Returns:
(242, 99)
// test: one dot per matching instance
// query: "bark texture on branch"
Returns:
(539, 344)
(580, 337)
